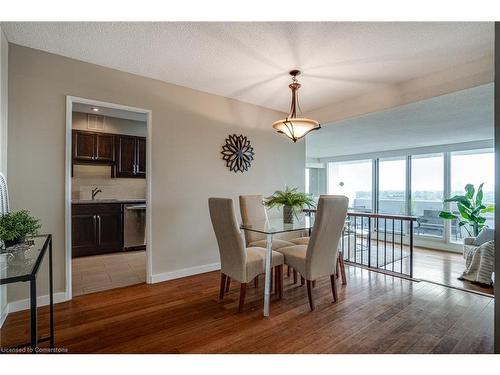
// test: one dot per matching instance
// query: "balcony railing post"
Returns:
(369, 241)
(393, 241)
(377, 229)
(385, 243)
(411, 249)
(349, 240)
(401, 236)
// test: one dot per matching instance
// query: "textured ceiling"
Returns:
(461, 116)
(250, 61)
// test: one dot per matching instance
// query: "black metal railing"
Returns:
(380, 241)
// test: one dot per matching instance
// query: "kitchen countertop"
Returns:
(101, 201)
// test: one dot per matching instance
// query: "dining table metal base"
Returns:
(268, 265)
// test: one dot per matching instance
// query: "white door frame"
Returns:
(69, 109)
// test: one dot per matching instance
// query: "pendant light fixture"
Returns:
(292, 126)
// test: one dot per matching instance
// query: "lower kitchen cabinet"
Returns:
(96, 228)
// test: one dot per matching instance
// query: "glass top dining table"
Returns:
(270, 227)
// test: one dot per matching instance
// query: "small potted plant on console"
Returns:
(15, 226)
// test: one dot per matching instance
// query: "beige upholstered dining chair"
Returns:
(319, 257)
(252, 210)
(340, 259)
(237, 262)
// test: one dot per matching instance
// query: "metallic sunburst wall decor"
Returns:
(237, 153)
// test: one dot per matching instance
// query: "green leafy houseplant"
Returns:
(292, 202)
(15, 226)
(471, 207)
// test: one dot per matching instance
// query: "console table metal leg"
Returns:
(51, 295)
(33, 315)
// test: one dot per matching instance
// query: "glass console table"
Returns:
(269, 228)
(21, 263)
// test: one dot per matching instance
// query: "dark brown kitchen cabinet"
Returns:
(141, 157)
(130, 156)
(91, 147)
(97, 228)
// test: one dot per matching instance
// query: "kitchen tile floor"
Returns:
(102, 272)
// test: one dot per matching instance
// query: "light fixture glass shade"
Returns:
(296, 128)
(292, 126)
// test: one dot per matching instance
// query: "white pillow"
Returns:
(486, 235)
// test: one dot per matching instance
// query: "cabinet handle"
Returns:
(99, 229)
(95, 224)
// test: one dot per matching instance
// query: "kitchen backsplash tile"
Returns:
(87, 177)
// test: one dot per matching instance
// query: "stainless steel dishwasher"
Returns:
(134, 226)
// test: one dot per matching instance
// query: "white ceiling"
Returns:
(110, 112)
(250, 61)
(462, 116)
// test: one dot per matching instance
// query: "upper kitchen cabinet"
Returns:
(130, 156)
(90, 147)
(141, 157)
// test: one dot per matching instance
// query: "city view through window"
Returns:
(426, 191)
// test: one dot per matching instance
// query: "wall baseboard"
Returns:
(159, 277)
(24, 304)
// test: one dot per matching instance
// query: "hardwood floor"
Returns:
(437, 266)
(444, 267)
(375, 313)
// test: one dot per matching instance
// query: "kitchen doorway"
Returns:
(108, 190)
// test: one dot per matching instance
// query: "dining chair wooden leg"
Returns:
(342, 270)
(314, 283)
(280, 280)
(302, 280)
(243, 292)
(228, 284)
(337, 267)
(256, 281)
(309, 294)
(333, 280)
(288, 271)
(222, 285)
(294, 276)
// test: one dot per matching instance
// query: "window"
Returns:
(354, 180)
(307, 180)
(418, 190)
(315, 181)
(392, 186)
(427, 184)
(473, 167)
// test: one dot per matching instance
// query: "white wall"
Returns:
(188, 130)
(3, 140)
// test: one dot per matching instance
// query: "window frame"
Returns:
(446, 150)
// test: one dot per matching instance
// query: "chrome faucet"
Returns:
(95, 192)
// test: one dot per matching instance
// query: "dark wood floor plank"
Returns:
(374, 313)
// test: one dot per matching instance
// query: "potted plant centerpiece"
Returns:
(15, 226)
(292, 202)
(470, 209)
